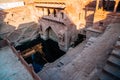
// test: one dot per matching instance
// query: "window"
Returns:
(42, 9)
(48, 12)
(12, 15)
(55, 13)
(62, 15)
(108, 5)
(100, 23)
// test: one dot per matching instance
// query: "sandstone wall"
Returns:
(12, 19)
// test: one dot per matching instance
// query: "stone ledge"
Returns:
(94, 30)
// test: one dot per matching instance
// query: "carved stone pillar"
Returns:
(97, 4)
(116, 5)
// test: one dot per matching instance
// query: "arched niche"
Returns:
(51, 34)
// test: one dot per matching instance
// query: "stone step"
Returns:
(114, 60)
(116, 53)
(105, 76)
(113, 70)
(117, 45)
(119, 38)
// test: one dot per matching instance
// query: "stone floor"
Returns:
(10, 67)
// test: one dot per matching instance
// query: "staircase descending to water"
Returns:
(111, 70)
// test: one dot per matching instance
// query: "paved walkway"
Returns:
(10, 67)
